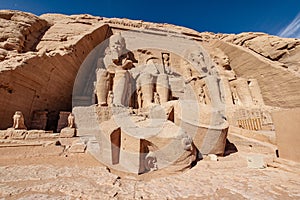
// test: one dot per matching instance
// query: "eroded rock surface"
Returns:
(21, 31)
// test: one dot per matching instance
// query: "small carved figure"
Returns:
(139, 98)
(166, 59)
(235, 96)
(18, 120)
(110, 98)
(71, 120)
(187, 143)
(156, 98)
(151, 162)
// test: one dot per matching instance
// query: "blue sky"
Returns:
(276, 17)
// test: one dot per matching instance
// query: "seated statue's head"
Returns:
(221, 59)
(117, 46)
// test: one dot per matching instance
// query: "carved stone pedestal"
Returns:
(67, 132)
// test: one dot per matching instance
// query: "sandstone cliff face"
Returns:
(41, 76)
(40, 57)
(283, 50)
(20, 31)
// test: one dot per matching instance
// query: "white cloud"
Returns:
(292, 30)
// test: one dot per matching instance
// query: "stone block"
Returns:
(212, 157)
(130, 150)
(256, 162)
(49, 135)
(86, 118)
(33, 134)
(38, 134)
(77, 147)
(157, 112)
(287, 128)
(67, 132)
(4, 134)
(66, 141)
(164, 111)
(18, 134)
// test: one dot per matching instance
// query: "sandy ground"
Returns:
(53, 175)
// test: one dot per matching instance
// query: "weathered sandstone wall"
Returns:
(43, 78)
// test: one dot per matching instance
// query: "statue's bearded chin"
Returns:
(115, 55)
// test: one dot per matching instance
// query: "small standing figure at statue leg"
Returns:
(139, 98)
(202, 96)
(110, 99)
(235, 96)
(156, 98)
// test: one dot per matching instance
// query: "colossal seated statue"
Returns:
(141, 138)
(116, 63)
(150, 75)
